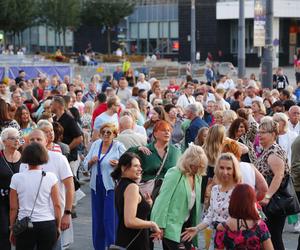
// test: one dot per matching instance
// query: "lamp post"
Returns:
(267, 62)
(193, 32)
(241, 40)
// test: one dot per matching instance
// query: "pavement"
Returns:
(83, 228)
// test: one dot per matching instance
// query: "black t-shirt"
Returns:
(71, 131)
(7, 170)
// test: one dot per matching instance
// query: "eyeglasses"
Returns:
(104, 132)
(264, 132)
(14, 138)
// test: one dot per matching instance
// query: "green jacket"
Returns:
(170, 209)
(295, 163)
(151, 163)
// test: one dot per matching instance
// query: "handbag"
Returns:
(284, 202)
(152, 186)
(115, 247)
(22, 225)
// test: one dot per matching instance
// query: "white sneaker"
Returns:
(297, 227)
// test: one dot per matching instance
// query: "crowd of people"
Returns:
(163, 162)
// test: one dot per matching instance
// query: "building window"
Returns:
(174, 29)
(163, 29)
(143, 30)
(248, 37)
(133, 30)
(153, 30)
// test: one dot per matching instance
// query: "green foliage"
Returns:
(108, 13)
(16, 15)
(60, 14)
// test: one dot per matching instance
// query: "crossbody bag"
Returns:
(22, 225)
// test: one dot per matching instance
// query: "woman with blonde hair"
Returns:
(178, 203)
(218, 117)
(228, 175)
(258, 110)
(133, 104)
(101, 160)
(228, 117)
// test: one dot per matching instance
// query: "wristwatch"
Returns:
(68, 212)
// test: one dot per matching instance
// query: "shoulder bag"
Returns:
(152, 186)
(22, 225)
(284, 202)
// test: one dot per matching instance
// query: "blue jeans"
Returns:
(104, 217)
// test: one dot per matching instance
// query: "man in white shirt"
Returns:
(123, 92)
(111, 115)
(294, 118)
(128, 136)
(142, 83)
(187, 97)
(251, 95)
(58, 164)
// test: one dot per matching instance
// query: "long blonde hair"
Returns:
(213, 143)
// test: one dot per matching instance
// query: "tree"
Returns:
(16, 16)
(61, 16)
(107, 13)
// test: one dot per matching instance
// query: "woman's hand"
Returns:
(113, 162)
(155, 228)
(144, 150)
(12, 238)
(189, 233)
(264, 202)
(93, 160)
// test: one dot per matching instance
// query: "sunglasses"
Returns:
(104, 132)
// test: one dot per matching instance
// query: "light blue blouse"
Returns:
(114, 154)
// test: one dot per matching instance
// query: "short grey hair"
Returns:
(7, 132)
(44, 124)
(277, 117)
(200, 109)
(192, 108)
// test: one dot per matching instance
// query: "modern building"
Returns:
(153, 28)
(164, 27)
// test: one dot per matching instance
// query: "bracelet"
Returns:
(267, 197)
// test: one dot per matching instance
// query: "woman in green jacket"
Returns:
(178, 204)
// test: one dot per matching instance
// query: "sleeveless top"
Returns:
(250, 238)
(7, 170)
(126, 235)
(262, 162)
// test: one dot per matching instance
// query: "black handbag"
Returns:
(22, 225)
(284, 202)
(115, 247)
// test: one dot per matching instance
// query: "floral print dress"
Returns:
(250, 239)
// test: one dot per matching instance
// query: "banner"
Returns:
(34, 71)
(259, 23)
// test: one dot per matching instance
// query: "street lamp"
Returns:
(193, 32)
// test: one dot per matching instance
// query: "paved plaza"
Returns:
(83, 227)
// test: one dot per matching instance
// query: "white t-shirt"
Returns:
(26, 184)
(248, 173)
(144, 85)
(248, 100)
(104, 118)
(59, 165)
(124, 95)
(293, 128)
(184, 101)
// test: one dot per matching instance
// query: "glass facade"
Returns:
(153, 28)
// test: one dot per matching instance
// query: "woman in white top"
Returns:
(286, 137)
(35, 194)
(228, 174)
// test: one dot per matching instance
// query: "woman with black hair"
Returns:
(132, 208)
